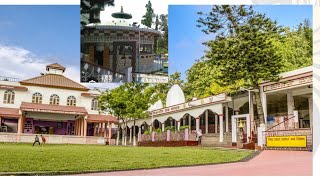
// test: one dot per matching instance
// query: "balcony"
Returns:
(98, 74)
(10, 79)
(110, 39)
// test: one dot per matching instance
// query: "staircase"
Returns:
(212, 139)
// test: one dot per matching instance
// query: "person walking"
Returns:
(36, 140)
(44, 140)
(199, 136)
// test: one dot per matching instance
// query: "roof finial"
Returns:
(122, 9)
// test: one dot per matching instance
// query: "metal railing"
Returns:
(94, 73)
(104, 39)
(11, 79)
(286, 124)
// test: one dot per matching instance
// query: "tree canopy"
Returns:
(247, 48)
(130, 100)
(93, 8)
(147, 19)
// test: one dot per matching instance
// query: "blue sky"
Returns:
(48, 31)
(33, 36)
(185, 38)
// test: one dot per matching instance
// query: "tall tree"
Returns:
(147, 19)
(243, 48)
(92, 8)
(157, 23)
(163, 40)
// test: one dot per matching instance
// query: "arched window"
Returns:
(37, 98)
(8, 97)
(71, 101)
(94, 104)
(54, 99)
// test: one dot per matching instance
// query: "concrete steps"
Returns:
(213, 139)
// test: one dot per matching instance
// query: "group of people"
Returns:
(36, 140)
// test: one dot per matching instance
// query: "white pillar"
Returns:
(162, 126)
(290, 103)
(227, 118)
(178, 125)
(221, 127)
(215, 123)
(311, 111)
(234, 131)
(197, 123)
(248, 127)
(134, 136)
(130, 139)
(251, 110)
(123, 136)
(264, 104)
(189, 121)
(139, 134)
(206, 121)
(118, 134)
(150, 128)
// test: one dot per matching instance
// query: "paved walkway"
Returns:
(267, 163)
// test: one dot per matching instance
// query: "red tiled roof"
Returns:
(9, 112)
(50, 108)
(18, 88)
(101, 118)
(56, 66)
(54, 80)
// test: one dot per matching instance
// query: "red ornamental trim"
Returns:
(220, 115)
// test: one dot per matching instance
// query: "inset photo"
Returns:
(124, 41)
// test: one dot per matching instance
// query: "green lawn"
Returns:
(80, 158)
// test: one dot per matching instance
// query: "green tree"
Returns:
(92, 8)
(163, 40)
(201, 81)
(295, 49)
(147, 19)
(243, 48)
(157, 23)
(129, 101)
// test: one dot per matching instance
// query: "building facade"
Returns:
(224, 120)
(120, 50)
(54, 105)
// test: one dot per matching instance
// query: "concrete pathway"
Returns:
(267, 163)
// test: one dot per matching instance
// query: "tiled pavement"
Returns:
(267, 163)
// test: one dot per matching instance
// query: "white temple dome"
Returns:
(175, 96)
(155, 106)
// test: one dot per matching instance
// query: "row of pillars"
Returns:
(80, 127)
(100, 129)
(132, 137)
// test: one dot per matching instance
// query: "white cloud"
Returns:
(18, 62)
(135, 8)
(21, 63)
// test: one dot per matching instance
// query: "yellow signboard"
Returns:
(287, 141)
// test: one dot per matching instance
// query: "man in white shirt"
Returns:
(199, 136)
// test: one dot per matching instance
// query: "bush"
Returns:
(182, 128)
(157, 130)
(147, 132)
(171, 128)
